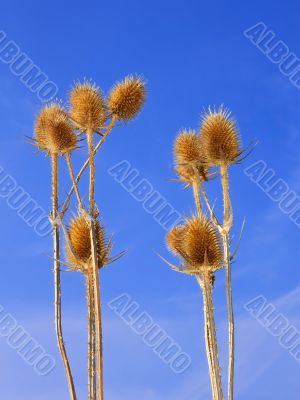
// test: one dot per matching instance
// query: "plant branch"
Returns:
(75, 185)
(210, 209)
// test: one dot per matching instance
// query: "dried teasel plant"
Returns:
(57, 132)
(198, 157)
(197, 244)
(221, 143)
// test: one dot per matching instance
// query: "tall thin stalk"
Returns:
(208, 345)
(227, 225)
(196, 193)
(57, 280)
(91, 351)
(211, 336)
(95, 272)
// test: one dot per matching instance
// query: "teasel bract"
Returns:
(197, 244)
(54, 134)
(222, 147)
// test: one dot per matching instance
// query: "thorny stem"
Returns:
(75, 186)
(85, 165)
(211, 337)
(57, 282)
(95, 273)
(227, 225)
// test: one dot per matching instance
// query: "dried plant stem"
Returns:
(72, 175)
(57, 281)
(85, 165)
(95, 273)
(211, 337)
(212, 372)
(208, 347)
(196, 191)
(91, 341)
(227, 225)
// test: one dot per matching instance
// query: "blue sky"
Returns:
(192, 54)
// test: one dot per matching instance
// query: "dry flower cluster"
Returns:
(58, 131)
(202, 243)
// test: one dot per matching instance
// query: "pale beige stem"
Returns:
(196, 191)
(57, 282)
(72, 175)
(208, 342)
(211, 337)
(85, 165)
(227, 225)
(91, 352)
(95, 272)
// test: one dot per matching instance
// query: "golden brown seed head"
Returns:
(201, 245)
(189, 158)
(88, 108)
(220, 138)
(127, 98)
(79, 247)
(53, 131)
(174, 239)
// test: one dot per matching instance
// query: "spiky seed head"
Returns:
(189, 160)
(201, 244)
(186, 148)
(53, 131)
(174, 239)
(220, 138)
(79, 247)
(88, 109)
(127, 98)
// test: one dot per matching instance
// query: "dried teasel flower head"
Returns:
(174, 239)
(53, 131)
(88, 109)
(78, 248)
(198, 244)
(127, 98)
(189, 159)
(201, 245)
(220, 138)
